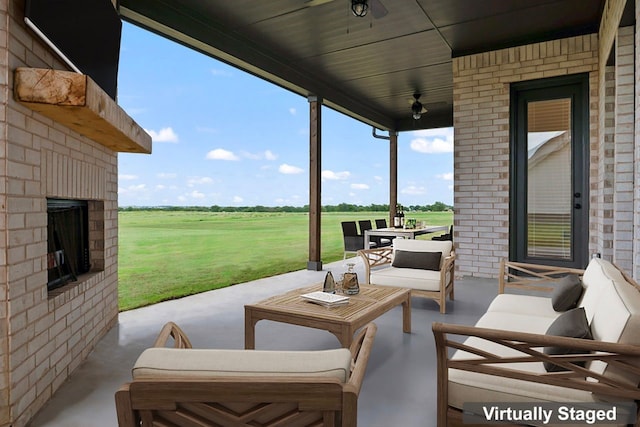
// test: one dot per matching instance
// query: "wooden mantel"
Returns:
(76, 101)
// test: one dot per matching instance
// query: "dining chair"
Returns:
(353, 241)
(379, 241)
(381, 223)
(445, 236)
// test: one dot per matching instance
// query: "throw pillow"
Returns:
(573, 324)
(567, 293)
(418, 260)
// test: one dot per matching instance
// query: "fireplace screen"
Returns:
(67, 241)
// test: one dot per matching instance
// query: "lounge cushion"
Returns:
(515, 322)
(567, 292)
(529, 305)
(418, 260)
(596, 282)
(426, 280)
(573, 324)
(616, 318)
(208, 363)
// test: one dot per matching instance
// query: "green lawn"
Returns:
(165, 255)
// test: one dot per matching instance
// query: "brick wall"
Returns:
(624, 149)
(44, 336)
(481, 85)
(636, 239)
(601, 197)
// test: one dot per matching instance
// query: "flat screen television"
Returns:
(84, 33)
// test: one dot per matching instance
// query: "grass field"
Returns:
(165, 255)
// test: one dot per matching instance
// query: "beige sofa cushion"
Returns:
(528, 305)
(596, 281)
(211, 363)
(616, 317)
(426, 280)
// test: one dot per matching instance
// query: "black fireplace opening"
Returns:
(67, 241)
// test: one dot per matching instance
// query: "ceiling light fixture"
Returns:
(359, 7)
(416, 107)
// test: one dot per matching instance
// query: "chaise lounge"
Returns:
(182, 386)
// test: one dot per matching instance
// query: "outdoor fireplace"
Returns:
(67, 241)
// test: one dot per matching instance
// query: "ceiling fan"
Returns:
(416, 106)
(377, 8)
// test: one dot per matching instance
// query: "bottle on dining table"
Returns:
(396, 217)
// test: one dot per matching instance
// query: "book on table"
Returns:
(326, 299)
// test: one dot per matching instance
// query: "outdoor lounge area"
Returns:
(399, 384)
(546, 136)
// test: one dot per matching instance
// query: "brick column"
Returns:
(624, 150)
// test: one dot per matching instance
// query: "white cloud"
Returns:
(268, 154)
(126, 177)
(442, 132)
(195, 194)
(378, 178)
(331, 175)
(291, 200)
(289, 170)
(161, 187)
(132, 189)
(237, 199)
(199, 180)
(433, 141)
(436, 145)
(221, 154)
(163, 135)
(165, 175)
(293, 111)
(413, 190)
(446, 176)
(359, 187)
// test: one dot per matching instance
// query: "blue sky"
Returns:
(224, 137)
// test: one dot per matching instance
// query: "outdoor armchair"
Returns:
(182, 386)
(424, 266)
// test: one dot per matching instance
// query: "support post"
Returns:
(393, 175)
(315, 171)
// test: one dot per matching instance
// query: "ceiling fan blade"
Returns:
(377, 9)
(312, 3)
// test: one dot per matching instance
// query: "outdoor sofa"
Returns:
(182, 386)
(517, 351)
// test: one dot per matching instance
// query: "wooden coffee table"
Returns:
(342, 321)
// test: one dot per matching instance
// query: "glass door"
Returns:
(549, 223)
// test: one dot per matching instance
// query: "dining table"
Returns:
(405, 233)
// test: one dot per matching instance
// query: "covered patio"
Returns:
(469, 62)
(399, 386)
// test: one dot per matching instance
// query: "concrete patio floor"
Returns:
(399, 388)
